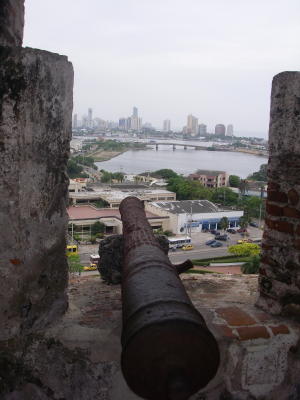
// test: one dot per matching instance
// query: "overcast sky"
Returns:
(212, 58)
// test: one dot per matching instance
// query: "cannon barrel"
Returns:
(167, 350)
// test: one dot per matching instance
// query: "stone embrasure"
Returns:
(35, 129)
(279, 274)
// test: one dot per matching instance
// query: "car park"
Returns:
(209, 242)
(216, 244)
(188, 247)
(242, 230)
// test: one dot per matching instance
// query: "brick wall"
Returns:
(280, 269)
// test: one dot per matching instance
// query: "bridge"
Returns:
(175, 145)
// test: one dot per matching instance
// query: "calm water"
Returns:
(183, 161)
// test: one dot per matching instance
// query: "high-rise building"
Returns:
(202, 129)
(84, 122)
(220, 130)
(135, 112)
(140, 124)
(128, 123)
(75, 123)
(166, 125)
(90, 118)
(229, 131)
(192, 125)
(122, 124)
(134, 123)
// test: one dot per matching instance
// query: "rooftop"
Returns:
(187, 206)
(209, 172)
(90, 212)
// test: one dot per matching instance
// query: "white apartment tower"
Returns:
(192, 125)
(229, 131)
(90, 118)
(166, 125)
(75, 123)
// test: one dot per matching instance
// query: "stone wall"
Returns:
(35, 129)
(280, 269)
(11, 22)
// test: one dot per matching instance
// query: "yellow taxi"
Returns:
(241, 241)
(90, 268)
(187, 247)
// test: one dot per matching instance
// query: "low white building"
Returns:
(193, 214)
(114, 196)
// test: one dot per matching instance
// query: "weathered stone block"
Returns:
(35, 130)
(11, 22)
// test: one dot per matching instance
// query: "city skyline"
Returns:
(219, 64)
(134, 123)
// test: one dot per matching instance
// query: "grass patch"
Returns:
(226, 259)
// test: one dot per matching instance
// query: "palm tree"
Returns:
(243, 186)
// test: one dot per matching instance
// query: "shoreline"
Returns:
(108, 155)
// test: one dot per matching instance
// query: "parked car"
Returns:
(214, 232)
(188, 247)
(242, 230)
(205, 230)
(222, 237)
(209, 242)
(254, 224)
(231, 230)
(216, 244)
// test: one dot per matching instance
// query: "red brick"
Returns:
(253, 332)
(293, 197)
(270, 223)
(262, 316)
(234, 316)
(298, 230)
(273, 186)
(225, 331)
(280, 329)
(15, 261)
(281, 197)
(297, 244)
(280, 226)
(274, 210)
(291, 212)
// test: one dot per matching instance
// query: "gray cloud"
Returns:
(170, 58)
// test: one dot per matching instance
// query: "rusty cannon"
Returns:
(167, 350)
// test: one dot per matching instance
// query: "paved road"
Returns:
(200, 249)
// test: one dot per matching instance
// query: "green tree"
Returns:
(74, 264)
(243, 222)
(244, 249)
(73, 169)
(164, 173)
(234, 181)
(252, 266)
(105, 177)
(97, 227)
(224, 222)
(119, 176)
(260, 175)
(243, 186)
(225, 196)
